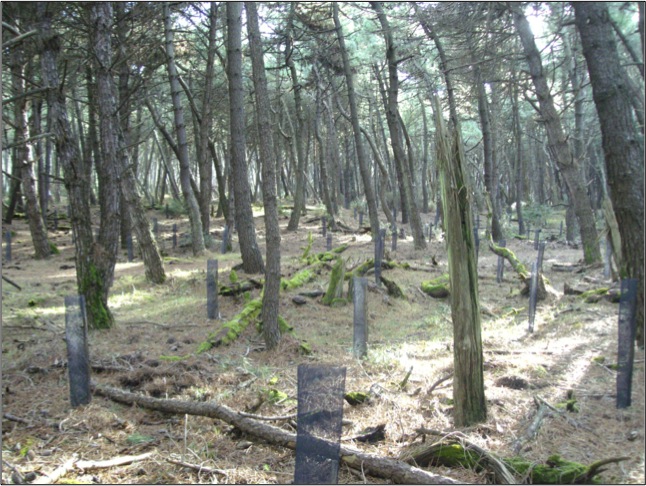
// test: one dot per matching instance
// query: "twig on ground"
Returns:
(8, 280)
(198, 467)
(14, 418)
(58, 473)
(117, 461)
(438, 383)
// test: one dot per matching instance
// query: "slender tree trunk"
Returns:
(323, 155)
(298, 132)
(425, 182)
(491, 184)
(94, 278)
(197, 235)
(270, 328)
(398, 167)
(518, 157)
(558, 145)
(22, 154)
(623, 147)
(206, 122)
(394, 126)
(114, 149)
(354, 116)
(251, 256)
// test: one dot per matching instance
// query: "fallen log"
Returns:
(372, 464)
(524, 275)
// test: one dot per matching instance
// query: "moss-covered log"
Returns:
(230, 330)
(458, 452)
(299, 279)
(392, 288)
(438, 287)
(524, 275)
(335, 287)
(239, 287)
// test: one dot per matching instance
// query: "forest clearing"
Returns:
(321, 242)
(152, 351)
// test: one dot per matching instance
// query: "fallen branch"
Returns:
(58, 473)
(438, 383)
(379, 466)
(8, 280)
(198, 468)
(541, 412)
(13, 418)
(73, 463)
(117, 461)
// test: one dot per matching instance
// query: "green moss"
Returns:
(554, 471)
(54, 249)
(439, 291)
(172, 358)
(274, 396)
(305, 348)
(335, 287)
(233, 277)
(308, 248)
(589, 293)
(299, 279)
(91, 287)
(599, 359)
(356, 398)
(393, 289)
(570, 405)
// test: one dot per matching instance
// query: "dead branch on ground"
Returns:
(373, 464)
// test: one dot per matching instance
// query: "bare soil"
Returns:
(572, 350)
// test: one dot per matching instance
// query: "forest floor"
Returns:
(571, 351)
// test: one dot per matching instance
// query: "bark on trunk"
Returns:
(622, 145)
(197, 235)
(115, 153)
(468, 382)
(394, 126)
(270, 327)
(89, 257)
(22, 155)
(558, 145)
(251, 257)
(356, 129)
(205, 124)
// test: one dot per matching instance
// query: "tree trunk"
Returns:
(22, 155)
(205, 124)
(622, 145)
(490, 179)
(270, 327)
(91, 258)
(251, 257)
(323, 155)
(394, 126)
(298, 133)
(425, 182)
(197, 235)
(398, 169)
(468, 382)
(558, 145)
(114, 149)
(518, 156)
(356, 129)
